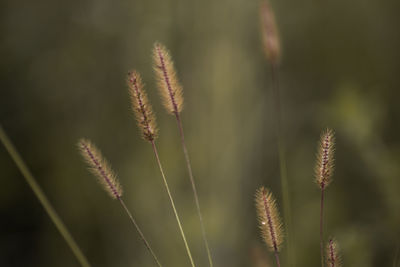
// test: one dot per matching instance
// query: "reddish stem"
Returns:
(321, 217)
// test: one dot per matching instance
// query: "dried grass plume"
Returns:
(325, 159)
(168, 84)
(269, 220)
(141, 107)
(100, 168)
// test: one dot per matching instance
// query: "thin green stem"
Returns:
(172, 202)
(196, 198)
(43, 199)
(282, 162)
(147, 245)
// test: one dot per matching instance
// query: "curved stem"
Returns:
(43, 199)
(172, 202)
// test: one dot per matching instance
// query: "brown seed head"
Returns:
(100, 168)
(168, 84)
(269, 220)
(333, 258)
(325, 159)
(270, 33)
(141, 107)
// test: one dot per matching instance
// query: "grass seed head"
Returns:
(270, 34)
(168, 84)
(269, 220)
(333, 258)
(141, 107)
(100, 168)
(325, 159)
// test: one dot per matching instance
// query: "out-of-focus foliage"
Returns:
(63, 67)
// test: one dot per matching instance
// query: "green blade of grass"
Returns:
(43, 199)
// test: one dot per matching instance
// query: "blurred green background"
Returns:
(63, 67)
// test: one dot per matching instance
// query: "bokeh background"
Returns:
(63, 67)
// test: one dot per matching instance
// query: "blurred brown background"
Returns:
(63, 67)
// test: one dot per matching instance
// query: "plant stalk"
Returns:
(277, 259)
(282, 161)
(196, 198)
(321, 225)
(139, 231)
(172, 202)
(43, 199)
(396, 256)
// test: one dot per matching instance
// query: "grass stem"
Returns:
(43, 199)
(396, 257)
(139, 231)
(196, 198)
(172, 202)
(321, 225)
(277, 259)
(282, 161)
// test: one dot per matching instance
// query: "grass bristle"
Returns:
(269, 220)
(100, 168)
(141, 107)
(168, 84)
(325, 159)
(333, 258)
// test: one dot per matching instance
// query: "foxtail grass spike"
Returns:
(168, 84)
(270, 34)
(269, 221)
(143, 114)
(141, 107)
(171, 91)
(325, 159)
(100, 168)
(37, 190)
(333, 258)
(323, 177)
